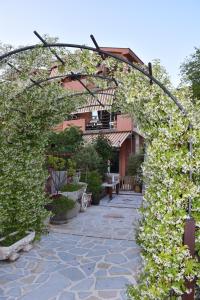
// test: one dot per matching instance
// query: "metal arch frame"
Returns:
(101, 91)
(103, 54)
(92, 105)
(98, 92)
(70, 75)
(146, 73)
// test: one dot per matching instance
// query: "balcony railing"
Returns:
(105, 122)
(95, 124)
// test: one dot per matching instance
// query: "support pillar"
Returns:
(189, 240)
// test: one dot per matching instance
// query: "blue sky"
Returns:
(164, 29)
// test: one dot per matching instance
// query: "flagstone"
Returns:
(115, 258)
(50, 289)
(119, 271)
(67, 296)
(84, 285)
(84, 295)
(88, 268)
(111, 283)
(74, 274)
(15, 292)
(107, 294)
(92, 257)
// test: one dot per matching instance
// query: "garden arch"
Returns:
(157, 282)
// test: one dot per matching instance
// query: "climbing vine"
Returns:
(167, 262)
(26, 116)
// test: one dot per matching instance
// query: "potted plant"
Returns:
(73, 190)
(11, 244)
(66, 142)
(87, 159)
(76, 177)
(71, 170)
(104, 149)
(138, 183)
(58, 173)
(61, 207)
(94, 186)
(135, 169)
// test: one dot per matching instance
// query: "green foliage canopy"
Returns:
(135, 166)
(27, 112)
(87, 158)
(104, 149)
(66, 141)
(94, 183)
(62, 205)
(190, 71)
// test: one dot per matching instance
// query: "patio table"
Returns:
(110, 186)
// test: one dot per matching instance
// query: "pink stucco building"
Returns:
(94, 119)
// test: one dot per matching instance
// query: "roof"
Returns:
(124, 52)
(116, 138)
(105, 97)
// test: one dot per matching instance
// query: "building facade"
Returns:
(94, 119)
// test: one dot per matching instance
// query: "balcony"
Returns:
(103, 121)
(110, 122)
(77, 122)
(124, 123)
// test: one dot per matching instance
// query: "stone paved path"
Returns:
(93, 257)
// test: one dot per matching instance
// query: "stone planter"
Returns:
(76, 195)
(46, 221)
(58, 179)
(76, 178)
(73, 212)
(62, 218)
(95, 199)
(11, 252)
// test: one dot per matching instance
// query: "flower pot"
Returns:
(138, 188)
(73, 212)
(58, 219)
(95, 199)
(62, 218)
(11, 252)
(76, 195)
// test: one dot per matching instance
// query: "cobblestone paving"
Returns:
(93, 257)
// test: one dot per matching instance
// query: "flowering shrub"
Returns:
(167, 262)
(26, 116)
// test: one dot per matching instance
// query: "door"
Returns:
(115, 162)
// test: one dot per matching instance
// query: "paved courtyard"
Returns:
(93, 257)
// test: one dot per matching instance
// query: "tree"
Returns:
(190, 71)
(134, 164)
(105, 150)
(67, 141)
(87, 159)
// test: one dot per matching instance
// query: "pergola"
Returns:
(189, 235)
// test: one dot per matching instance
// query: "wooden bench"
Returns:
(110, 186)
